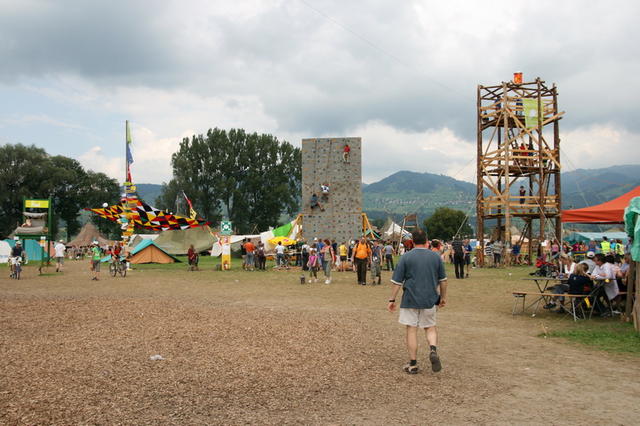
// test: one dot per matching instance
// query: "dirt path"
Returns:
(261, 348)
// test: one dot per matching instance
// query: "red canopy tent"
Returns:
(609, 212)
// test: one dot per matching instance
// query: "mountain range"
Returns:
(408, 192)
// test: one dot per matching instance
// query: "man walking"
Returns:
(458, 256)
(420, 273)
(59, 250)
(388, 256)
(96, 255)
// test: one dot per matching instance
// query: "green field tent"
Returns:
(178, 241)
(596, 236)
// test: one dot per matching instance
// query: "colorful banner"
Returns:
(530, 112)
(144, 216)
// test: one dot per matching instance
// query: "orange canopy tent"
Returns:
(609, 212)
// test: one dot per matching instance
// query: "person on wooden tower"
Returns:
(346, 152)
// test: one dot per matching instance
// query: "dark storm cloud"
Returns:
(331, 66)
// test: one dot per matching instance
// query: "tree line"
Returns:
(29, 172)
(252, 179)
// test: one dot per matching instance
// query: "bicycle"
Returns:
(16, 267)
(116, 267)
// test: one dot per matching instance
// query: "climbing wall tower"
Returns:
(323, 163)
(519, 150)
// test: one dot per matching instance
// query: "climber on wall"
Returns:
(324, 187)
(314, 203)
(345, 153)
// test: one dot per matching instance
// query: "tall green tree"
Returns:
(168, 195)
(67, 180)
(250, 178)
(445, 222)
(29, 172)
(24, 173)
(98, 189)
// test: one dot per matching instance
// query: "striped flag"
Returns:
(192, 213)
(129, 156)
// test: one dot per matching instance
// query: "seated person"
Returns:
(26, 224)
(115, 251)
(589, 261)
(578, 283)
(314, 203)
(604, 275)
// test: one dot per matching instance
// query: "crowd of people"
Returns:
(363, 257)
(599, 269)
(325, 256)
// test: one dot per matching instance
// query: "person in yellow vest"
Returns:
(605, 246)
(342, 252)
(619, 248)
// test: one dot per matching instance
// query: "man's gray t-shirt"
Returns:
(388, 249)
(419, 272)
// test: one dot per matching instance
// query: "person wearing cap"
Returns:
(588, 260)
(18, 251)
(59, 250)
(96, 254)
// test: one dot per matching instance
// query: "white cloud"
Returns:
(387, 150)
(25, 120)
(160, 119)
(95, 160)
(598, 145)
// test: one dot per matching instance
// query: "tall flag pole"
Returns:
(131, 200)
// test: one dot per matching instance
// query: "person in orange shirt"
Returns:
(361, 259)
(251, 250)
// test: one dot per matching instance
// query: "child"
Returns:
(314, 265)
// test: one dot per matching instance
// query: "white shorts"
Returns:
(422, 318)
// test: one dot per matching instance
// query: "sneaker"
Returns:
(327, 281)
(549, 305)
(410, 369)
(436, 365)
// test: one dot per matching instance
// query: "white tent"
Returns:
(392, 230)
(5, 251)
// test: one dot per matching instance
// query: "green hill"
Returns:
(407, 192)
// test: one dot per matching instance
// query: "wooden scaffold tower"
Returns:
(518, 164)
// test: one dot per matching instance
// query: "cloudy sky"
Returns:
(400, 74)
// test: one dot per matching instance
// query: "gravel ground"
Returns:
(259, 348)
